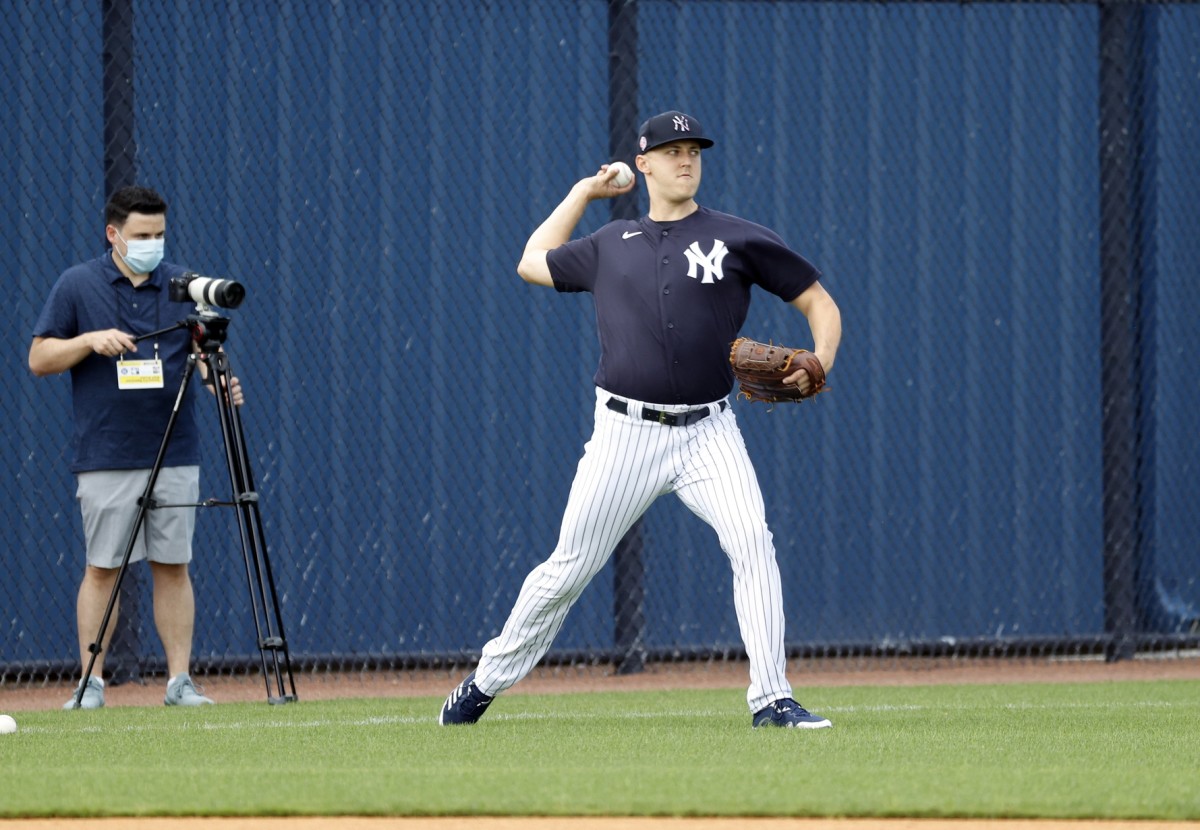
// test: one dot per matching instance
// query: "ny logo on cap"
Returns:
(680, 123)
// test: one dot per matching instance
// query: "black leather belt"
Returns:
(670, 419)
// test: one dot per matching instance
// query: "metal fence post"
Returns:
(629, 571)
(120, 170)
(1122, 233)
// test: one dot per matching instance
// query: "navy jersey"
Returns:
(672, 296)
(114, 429)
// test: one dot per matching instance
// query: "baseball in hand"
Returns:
(624, 174)
(7, 725)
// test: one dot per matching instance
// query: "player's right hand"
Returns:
(603, 184)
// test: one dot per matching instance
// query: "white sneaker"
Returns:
(93, 695)
(181, 691)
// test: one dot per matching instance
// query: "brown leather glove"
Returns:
(761, 367)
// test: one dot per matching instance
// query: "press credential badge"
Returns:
(140, 374)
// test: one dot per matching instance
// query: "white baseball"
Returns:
(7, 725)
(624, 174)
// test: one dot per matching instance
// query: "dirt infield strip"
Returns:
(16, 697)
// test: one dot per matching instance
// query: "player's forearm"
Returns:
(826, 326)
(824, 320)
(556, 230)
(560, 224)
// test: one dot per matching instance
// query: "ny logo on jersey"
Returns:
(710, 262)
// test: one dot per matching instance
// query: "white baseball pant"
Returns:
(628, 463)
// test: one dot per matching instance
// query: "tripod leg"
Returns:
(143, 505)
(264, 600)
(124, 646)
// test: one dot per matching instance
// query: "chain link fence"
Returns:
(1002, 197)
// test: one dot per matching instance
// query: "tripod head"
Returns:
(208, 329)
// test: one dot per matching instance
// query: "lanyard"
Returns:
(118, 292)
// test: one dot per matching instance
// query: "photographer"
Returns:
(123, 392)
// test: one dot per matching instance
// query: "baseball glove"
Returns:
(761, 367)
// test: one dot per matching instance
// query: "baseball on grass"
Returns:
(624, 174)
(7, 725)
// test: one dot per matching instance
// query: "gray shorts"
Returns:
(108, 500)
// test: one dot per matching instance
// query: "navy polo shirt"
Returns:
(672, 296)
(122, 429)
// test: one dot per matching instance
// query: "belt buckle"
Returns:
(662, 416)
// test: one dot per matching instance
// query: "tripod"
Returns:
(208, 331)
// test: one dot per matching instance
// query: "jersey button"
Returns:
(666, 291)
(670, 325)
(666, 259)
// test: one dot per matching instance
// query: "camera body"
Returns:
(206, 291)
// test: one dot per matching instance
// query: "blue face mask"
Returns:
(142, 255)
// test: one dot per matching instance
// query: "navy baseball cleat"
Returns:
(789, 714)
(466, 703)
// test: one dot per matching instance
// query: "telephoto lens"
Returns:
(210, 291)
(207, 290)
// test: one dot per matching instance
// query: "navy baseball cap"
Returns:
(670, 126)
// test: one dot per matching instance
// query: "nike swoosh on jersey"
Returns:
(629, 234)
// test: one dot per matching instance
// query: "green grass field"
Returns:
(1114, 750)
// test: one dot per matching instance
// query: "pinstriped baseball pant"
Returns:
(628, 463)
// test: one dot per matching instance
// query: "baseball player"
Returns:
(671, 291)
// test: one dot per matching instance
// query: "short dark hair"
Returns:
(133, 199)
